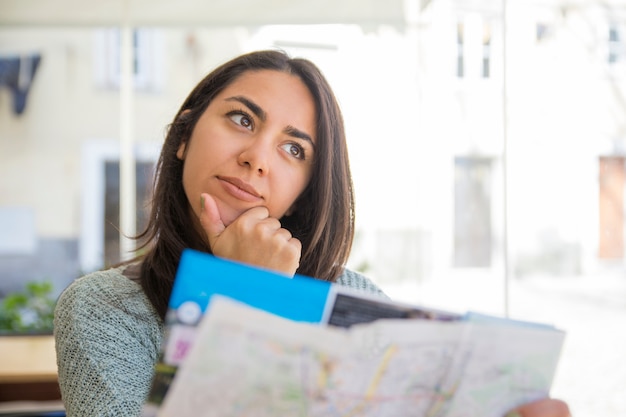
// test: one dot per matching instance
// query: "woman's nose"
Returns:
(256, 156)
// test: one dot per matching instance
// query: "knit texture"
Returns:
(108, 337)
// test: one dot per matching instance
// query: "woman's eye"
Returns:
(294, 150)
(242, 120)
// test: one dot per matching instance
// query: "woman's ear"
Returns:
(180, 153)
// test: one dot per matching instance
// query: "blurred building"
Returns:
(482, 139)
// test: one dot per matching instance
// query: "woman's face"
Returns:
(253, 146)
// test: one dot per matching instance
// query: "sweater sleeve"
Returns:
(107, 339)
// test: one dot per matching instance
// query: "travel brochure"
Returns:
(243, 341)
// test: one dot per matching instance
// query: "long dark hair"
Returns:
(324, 216)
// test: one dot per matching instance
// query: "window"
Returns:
(460, 61)
(473, 47)
(614, 43)
(99, 235)
(543, 31)
(486, 50)
(147, 59)
(611, 226)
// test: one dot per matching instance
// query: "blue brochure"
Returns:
(201, 275)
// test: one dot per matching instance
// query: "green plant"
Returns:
(29, 311)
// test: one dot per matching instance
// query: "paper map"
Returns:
(246, 362)
(240, 341)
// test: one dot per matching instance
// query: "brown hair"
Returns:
(324, 215)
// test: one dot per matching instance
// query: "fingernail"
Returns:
(202, 205)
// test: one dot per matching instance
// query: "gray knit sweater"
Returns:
(108, 337)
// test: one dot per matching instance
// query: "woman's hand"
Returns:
(547, 407)
(253, 238)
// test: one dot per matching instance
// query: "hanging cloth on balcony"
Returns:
(17, 74)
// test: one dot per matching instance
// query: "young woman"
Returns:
(254, 168)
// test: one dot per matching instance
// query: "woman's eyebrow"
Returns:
(297, 133)
(255, 108)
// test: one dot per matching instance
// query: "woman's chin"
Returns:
(228, 214)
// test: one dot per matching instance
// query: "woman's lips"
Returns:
(240, 189)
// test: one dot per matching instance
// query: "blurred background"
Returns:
(487, 141)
